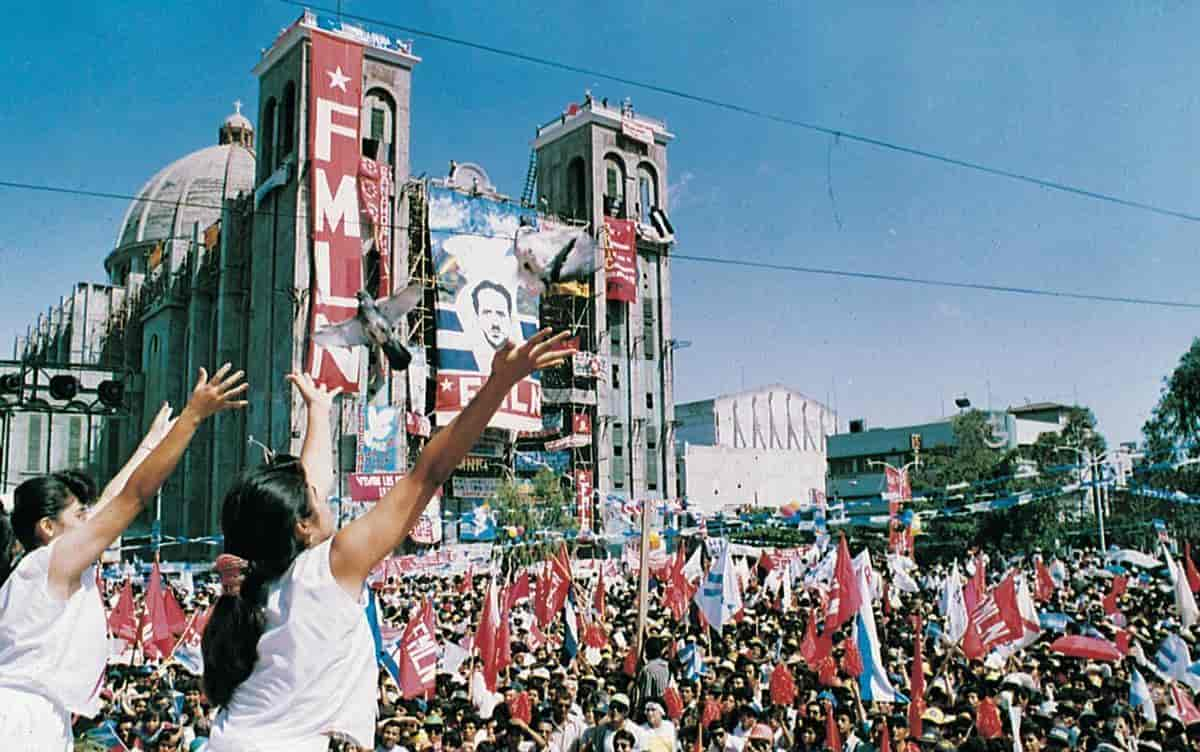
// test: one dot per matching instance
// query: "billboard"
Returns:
(335, 94)
(381, 439)
(480, 303)
(620, 259)
(368, 488)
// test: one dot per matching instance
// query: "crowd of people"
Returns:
(305, 628)
(728, 699)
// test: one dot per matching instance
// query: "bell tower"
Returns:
(332, 98)
(605, 165)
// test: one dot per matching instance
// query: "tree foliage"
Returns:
(1175, 420)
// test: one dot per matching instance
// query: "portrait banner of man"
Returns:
(480, 304)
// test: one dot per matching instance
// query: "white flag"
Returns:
(953, 607)
(718, 596)
(1185, 602)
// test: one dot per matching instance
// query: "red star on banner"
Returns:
(447, 385)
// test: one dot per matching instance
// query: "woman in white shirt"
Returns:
(288, 654)
(53, 637)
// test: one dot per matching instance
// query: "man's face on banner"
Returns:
(493, 308)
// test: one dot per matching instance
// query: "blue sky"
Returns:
(1102, 95)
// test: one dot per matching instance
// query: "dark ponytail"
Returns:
(258, 520)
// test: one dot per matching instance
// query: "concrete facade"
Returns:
(759, 447)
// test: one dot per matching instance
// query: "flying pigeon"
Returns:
(374, 326)
(558, 253)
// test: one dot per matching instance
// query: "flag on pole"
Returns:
(953, 606)
(552, 586)
(916, 682)
(1185, 601)
(1193, 575)
(419, 655)
(598, 604)
(487, 637)
(1174, 661)
(518, 590)
(719, 598)
(188, 652)
(1140, 697)
(1045, 583)
(691, 658)
(873, 682)
(123, 621)
(847, 596)
(156, 630)
(1116, 590)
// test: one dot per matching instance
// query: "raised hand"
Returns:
(213, 395)
(315, 396)
(512, 363)
(159, 428)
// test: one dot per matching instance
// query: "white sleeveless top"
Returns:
(49, 646)
(316, 672)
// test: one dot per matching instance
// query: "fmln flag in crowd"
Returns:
(418, 655)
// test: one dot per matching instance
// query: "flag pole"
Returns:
(643, 576)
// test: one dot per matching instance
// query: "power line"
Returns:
(765, 115)
(847, 273)
(942, 283)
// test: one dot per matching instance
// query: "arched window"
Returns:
(647, 191)
(287, 121)
(266, 156)
(577, 189)
(378, 126)
(614, 187)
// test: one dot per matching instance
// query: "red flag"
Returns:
(516, 591)
(598, 604)
(987, 719)
(503, 643)
(827, 673)
(916, 683)
(995, 620)
(674, 703)
(521, 706)
(487, 637)
(679, 590)
(808, 645)
(852, 664)
(846, 597)
(594, 635)
(419, 655)
(1123, 637)
(468, 581)
(123, 622)
(833, 738)
(1184, 707)
(766, 562)
(1119, 584)
(157, 640)
(1193, 576)
(1045, 583)
(976, 586)
(711, 712)
(552, 586)
(783, 685)
(631, 661)
(176, 618)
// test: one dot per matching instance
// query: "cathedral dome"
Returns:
(187, 191)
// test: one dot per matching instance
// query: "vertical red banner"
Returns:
(583, 493)
(620, 259)
(335, 97)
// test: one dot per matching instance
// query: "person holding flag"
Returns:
(289, 657)
(53, 637)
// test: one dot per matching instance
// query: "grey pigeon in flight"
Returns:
(552, 254)
(374, 326)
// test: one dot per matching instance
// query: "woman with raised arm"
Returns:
(288, 654)
(53, 637)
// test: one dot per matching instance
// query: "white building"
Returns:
(760, 447)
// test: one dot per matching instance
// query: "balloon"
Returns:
(520, 530)
(512, 532)
(655, 540)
